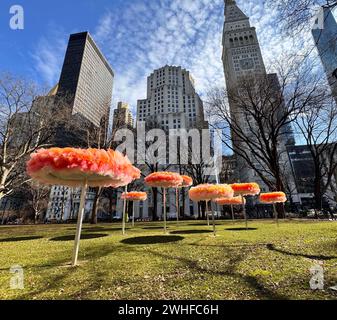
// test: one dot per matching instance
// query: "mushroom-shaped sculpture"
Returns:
(133, 196)
(81, 168)
(273, 198)
(164, 180)
(234, 201)
(245, 189)
(210, 192)
(187, 182)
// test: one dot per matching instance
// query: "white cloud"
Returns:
(48, 57)
(143, 35)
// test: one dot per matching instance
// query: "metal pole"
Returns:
(207, 213)
(213, 220)
(244, 211)
(232, 209)
(275, 214)
(79, 223)
(133, 214)
(177, 204)
(124, 213)
(164, 201)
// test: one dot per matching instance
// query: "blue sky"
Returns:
(137, 36)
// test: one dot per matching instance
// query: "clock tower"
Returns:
(242, 59)
(241, 50)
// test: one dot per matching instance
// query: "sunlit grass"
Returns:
(265, 262)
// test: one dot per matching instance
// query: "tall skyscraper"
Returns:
(172, 101)
(324, 33)
(86, 81)
(87, 78)
(122, 116)
(242, 59)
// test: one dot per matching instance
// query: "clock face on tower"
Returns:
(247, 64)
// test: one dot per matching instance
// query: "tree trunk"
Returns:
(95, 206)
(203, 209)
(280, 187)
(318, 190)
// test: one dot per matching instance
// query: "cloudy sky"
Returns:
(137, 36)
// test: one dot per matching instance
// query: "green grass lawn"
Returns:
(265, 262)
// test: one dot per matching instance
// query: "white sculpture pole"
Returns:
(79, 223)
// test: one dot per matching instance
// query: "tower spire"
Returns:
(233, 12)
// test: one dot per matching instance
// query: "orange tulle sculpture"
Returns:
(70, 166)
(187, 182)
(273, 197)
(81, 168)
(134, 196)
(230, 201)
(164, 180)
(234, 201)
(210, 192)
(246, 189)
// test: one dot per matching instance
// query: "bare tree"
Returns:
(257, 115)
(296, 15)
(318, 126)
(28, 121)
(38, 196)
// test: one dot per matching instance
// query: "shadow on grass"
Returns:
(151, 240)
(204, 224)
(190, 231)
(92, 228)
(16, 239)
(296, 254)
(154, 228)
(254, 283)
(86, 236)
(241, 229)
(98, 229)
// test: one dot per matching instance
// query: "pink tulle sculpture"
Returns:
(231, 201)
(207, 192)
(164, 180)
(273, 197)
(70, 166)
(134, 196)
(246, 189)
(187, 182)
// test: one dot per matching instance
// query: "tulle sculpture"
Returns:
(234, 201)
(245, 189)
(133, 196)
(273, 198)
(210, 192)
(81, 168)
(187, 182)
(164, 180)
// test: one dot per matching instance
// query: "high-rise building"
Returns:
(172, 101)
(122, 116)
(324, 33)
(86, 78)
(303, 167)
(86, 83)
(242, 59)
